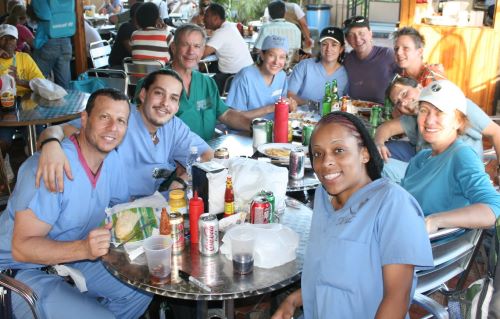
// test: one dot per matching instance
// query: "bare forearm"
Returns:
(55, 131)
(393, 307)
(236, 120)
(388, 130)
(261, 111)
(297, 98)
(45, 251)
(472, 216)
(207, 155)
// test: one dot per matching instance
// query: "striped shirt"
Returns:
(151, 43)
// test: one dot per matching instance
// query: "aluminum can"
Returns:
(221, 153)
(260, 210)
(177, 232)
(260, 133)
(296, 167)
(307, 130)
(272, 200)
(208, 231)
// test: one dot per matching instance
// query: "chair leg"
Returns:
(433, 307)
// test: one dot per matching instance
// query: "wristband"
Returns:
(49, 140)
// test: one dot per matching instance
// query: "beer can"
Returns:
(221, 153)
(208, 231)
(177, 233)
(259, 210)
(296, 167)
(272, 201)
(307, 130)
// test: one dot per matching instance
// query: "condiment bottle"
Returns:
(281, 121)
(164, 222)
(177, 203)
(196, 208)
(229, 197)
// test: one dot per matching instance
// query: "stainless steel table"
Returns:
(240, 144)
(217, 271)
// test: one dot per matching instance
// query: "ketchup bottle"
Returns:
(164, 222)
(196, 208)
(281, 121)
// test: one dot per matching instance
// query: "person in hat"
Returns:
(367, 234)
(409, 49)
(308, 79)
(257, 87)
(448, 179)
(370, 68)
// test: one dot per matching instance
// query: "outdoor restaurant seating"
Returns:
(117, 79)
(136, 69)
(99, 53)
(15, 286)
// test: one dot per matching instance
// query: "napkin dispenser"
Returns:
(201, 182)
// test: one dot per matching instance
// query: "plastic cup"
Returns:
(158, 250)
(242, 249)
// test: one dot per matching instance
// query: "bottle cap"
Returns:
(176, 194)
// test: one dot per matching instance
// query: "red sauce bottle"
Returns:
(164, 222)
(229, 197)
(196, 208)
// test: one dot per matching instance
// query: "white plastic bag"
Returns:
(275, 244)
(47, 89)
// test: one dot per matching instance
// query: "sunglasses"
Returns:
(354, 20)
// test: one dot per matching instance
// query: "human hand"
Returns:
(431, 224)
(292, 104)
(52, 164)
(286, 309)
(384, 151)
(308, 42)
(98, 241)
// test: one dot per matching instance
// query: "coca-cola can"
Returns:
(260, 209)
(208, 231)
(296, 167)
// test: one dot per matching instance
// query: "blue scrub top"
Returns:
(380, 224)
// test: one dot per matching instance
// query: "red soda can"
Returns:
(208, 232)
(260, 210)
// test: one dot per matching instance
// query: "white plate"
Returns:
(287, 146)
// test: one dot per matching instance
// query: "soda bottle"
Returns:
(164, 222)
(326, 104)
(335, 97)
(387, 109)
(229, 197)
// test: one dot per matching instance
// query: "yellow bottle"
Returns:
(177, 203)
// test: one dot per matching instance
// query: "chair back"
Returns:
(99, 52)
(136, 69)
(453, 251)
(227, 85)
(15, 286)
(114, 78)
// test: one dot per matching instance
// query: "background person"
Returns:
(362, 244)
(308, 79)
(257, 87)
(448, 180)
(18, 18)
(111, 7)
(370, 68)
(121, 46)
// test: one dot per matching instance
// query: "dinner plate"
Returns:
(267, 148)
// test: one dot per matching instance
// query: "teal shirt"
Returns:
(452, 179)
(202, 108)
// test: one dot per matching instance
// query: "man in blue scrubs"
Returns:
(40, 228)
(155, 141)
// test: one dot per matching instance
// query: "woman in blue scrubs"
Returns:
(367, 234)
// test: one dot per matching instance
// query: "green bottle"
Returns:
(335, 97)
(387, 109)
(326, 104)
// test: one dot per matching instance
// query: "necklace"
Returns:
(154, 137)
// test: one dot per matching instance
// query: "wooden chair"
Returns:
(453, 251)
(99, 52)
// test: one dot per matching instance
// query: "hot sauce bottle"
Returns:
(164, 222)
(229, 197)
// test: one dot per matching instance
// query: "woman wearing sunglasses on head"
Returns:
(367, 234)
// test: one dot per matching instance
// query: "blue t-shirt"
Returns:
(370, 77)
(453, 179)
(380, 224)
(73, 213)
(473, 136)
(308, 80)
(249, 91)
(141, 157)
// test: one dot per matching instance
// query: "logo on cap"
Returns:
(331, 31)
(436, 87)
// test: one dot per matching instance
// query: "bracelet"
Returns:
(49, 140)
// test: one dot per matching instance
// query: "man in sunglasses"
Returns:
(370, 68)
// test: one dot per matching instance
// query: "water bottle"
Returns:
(192, 158)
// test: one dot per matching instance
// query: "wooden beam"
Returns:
(79, 45)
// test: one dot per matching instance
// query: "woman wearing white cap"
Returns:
(308, 79)
(257, 87)
(449, 180)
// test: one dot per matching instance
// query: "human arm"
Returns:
(288, 306)
(53, 163)
(31, 245)
(397, 280)
(492, 131)
(305, 31)
(384, 132)
(296, 98)
(208, 50)
(236, 119)
(471, 216)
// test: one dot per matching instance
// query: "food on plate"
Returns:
(125, 223)
(296, 115)
(361, 103)
(277, 152)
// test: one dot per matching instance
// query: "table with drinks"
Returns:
(200, 273)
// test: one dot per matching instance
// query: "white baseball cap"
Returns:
(444, 95)
(7, 29)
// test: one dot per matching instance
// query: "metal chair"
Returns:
(136, 69)
(114, 78)
(453, 251)
(227, 85)
(11, 285)
(99, 52)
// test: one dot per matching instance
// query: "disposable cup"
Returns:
(242, 249)
(158, 250)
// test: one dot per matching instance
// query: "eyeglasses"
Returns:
(353, 20)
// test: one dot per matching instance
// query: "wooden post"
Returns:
(79, 46)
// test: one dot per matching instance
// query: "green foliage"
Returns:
(244, 10)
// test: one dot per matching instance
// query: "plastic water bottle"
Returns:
(192, 158)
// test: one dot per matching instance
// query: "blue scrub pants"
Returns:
(107, 296)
